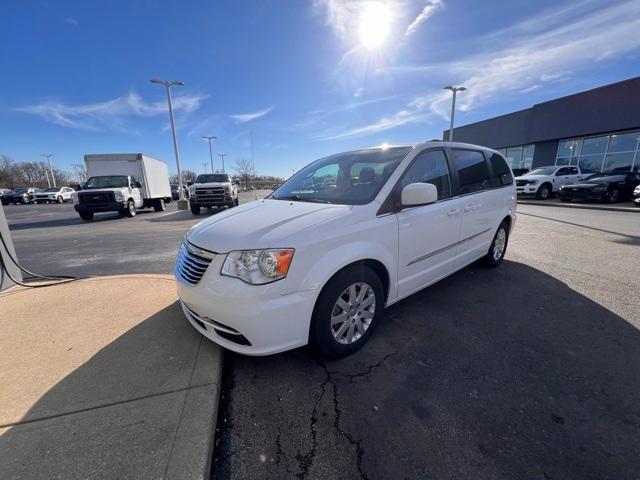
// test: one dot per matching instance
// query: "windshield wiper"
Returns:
(298, 198)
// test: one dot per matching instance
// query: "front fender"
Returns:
(337, 258)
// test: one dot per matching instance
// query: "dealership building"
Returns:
(598, 130)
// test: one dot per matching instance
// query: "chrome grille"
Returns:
(192, 262)
(213, 194)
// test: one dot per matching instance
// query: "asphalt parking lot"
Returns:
(530, 370)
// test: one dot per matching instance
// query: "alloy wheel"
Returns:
(352, 313)
(499, 244)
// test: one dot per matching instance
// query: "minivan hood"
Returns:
(263, 224)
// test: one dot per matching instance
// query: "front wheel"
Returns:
(60, 199)
(236, 202)
(544, 192)
(130, 211)
(195, 209)
(498, 247)
(613, 196)
(86, 216)
(345, 313)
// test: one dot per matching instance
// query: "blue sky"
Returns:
(308, 78)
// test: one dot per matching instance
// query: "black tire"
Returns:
(493, 258)
(195, 209)
(131, 211)
(60, 199)
(544, 192)
(321, 334)
(236, 202)
(86, 216)
(613, 196)
(160, 206)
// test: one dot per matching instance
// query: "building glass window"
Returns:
(617, 152)
(514, 156)
(527, 156)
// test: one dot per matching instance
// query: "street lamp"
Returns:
(455, 90)
(222, 155)
(204, 164)
(167, 85)
(53, 178)
(209, 138)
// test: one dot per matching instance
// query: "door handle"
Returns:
(453, 212)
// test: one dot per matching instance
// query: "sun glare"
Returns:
(374, 24)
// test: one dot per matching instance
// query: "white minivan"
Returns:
(345, 237)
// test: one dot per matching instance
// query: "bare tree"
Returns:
(187, 176)
(8, 172)
(80, 172)
(244, 169)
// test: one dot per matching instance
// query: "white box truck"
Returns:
(122, 182)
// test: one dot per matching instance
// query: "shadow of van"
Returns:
(503, 373)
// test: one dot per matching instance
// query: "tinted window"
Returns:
(212, 178)
(430, 167)
(473, 172)
(500, 169)
(563, 171)
(573, 171)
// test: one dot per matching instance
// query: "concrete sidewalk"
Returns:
(555, 202)
(104, 378)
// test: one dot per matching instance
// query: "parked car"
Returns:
(176, 188)
(345, 237)
(20, 195)
(636, 196)
(213, 190)
(53, 194)
(543, 182)
(603, 187)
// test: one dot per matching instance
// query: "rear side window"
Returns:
(430, 167)
(473, 172)
(500, 170)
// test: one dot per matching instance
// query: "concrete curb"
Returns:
(578, 206)
(145, 392)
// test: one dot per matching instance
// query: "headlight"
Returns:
(118, 196)
(258, 267)
(533, 182)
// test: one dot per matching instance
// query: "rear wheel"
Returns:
(345, 313)
(544, 192)
(86, 216)
(195, 209)
(160, 206)
(236, 202)
(613, 196)
(498, 247)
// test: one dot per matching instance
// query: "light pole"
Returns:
(210, 137)
(49, 155)
(182, 204)
(455, 90)
(222, 155)
(204, 164)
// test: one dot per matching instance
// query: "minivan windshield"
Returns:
(212, 178)
(542, 171)
(109, 181)
(352, 178)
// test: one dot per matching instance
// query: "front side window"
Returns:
(430, 167)
(473, 172)
(352, 178)
(500, 169)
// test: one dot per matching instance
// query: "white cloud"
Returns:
(427, 11)
(71, 21)
(534, 51)
(247, 117)
(110, 113)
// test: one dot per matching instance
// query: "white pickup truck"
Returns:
(213, 190)
(122, 183)
(544, 181)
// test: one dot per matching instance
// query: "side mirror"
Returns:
(418, 194)
(138, 185)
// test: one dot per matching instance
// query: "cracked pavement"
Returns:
(531, 370)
